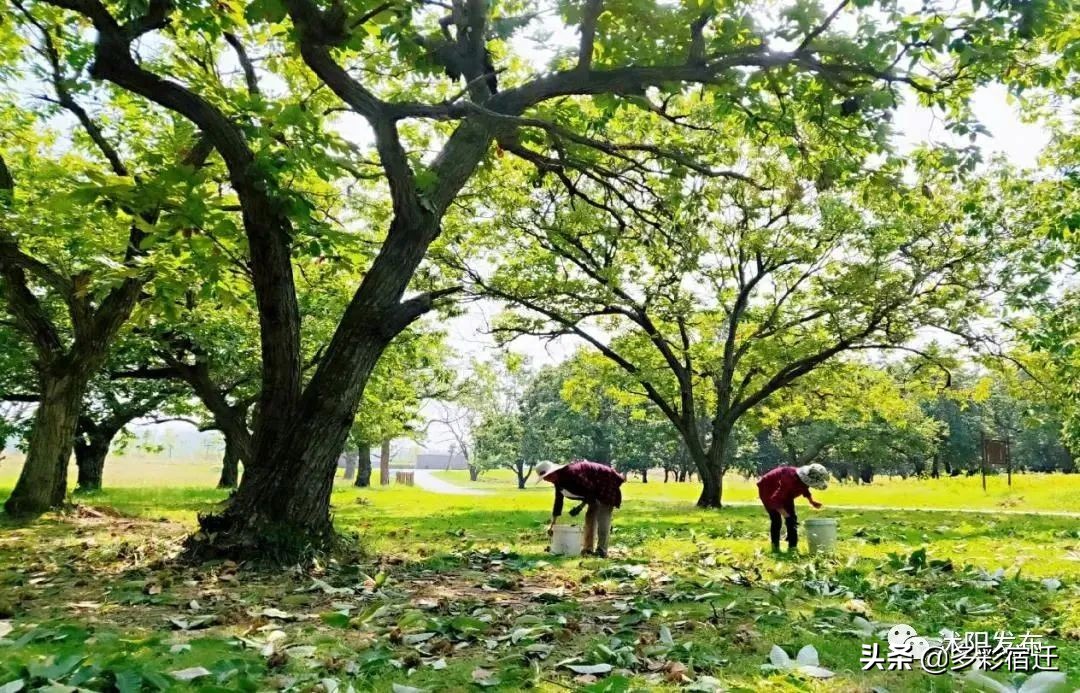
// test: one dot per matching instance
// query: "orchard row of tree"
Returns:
(257, 202)
(856, 418)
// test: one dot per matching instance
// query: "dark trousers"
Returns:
(792, 523)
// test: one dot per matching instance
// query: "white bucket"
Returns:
(820, 534)
(566, 540)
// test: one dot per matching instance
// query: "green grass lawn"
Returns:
(1042, 492)
(457, 591)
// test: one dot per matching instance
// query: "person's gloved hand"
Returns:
(816, 505)
(574, 512)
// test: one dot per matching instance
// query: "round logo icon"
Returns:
(900, 634)
(918, 646)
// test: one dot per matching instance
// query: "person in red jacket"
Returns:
(779, 488)
(597, 486)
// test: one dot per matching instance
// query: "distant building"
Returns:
(440, 460)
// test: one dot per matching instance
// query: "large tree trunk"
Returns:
(712, 488)
(474, 472)
(42, 483)
(90, 454)
(644, 476)
(281, 510)
(711, 470)
(230, 464)
(522, 475)
(363, 470)
(384, 463)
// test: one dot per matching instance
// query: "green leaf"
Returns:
(272, 11)
(337, 619)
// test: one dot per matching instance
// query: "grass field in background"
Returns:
(91, 590)
(1046, 492)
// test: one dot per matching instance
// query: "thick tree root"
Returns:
(227, 536)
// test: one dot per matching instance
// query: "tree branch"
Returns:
(823, 27)
(588, 33)
(246, 65)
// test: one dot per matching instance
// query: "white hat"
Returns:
(545, 468)
(814, 476)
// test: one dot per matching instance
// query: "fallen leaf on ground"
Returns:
(675, 672)
(415, 638)
(190, 674)
(485, 678)
(805, 662)
(193, 623)
(1051, 584)
(85, 605)
(589, 668)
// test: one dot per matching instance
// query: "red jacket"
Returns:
(586, 481)
(779, 488)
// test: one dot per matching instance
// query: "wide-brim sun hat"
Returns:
(545, 468)
(814, 476)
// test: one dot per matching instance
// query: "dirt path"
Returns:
(429, 482)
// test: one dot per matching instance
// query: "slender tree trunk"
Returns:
(644, 476)
(665, 475)
(350, 466)
(384, 463)
(474, 472)
(90, 454)
(230, 464)
(42, 483)
(363, 464)
(519, 469)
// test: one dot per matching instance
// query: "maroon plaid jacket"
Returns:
(588, 481)
(779, 488)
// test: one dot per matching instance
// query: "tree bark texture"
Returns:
(363, 469)
(230, 464)
(42, 484)
(384, 463)
(90, 454)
